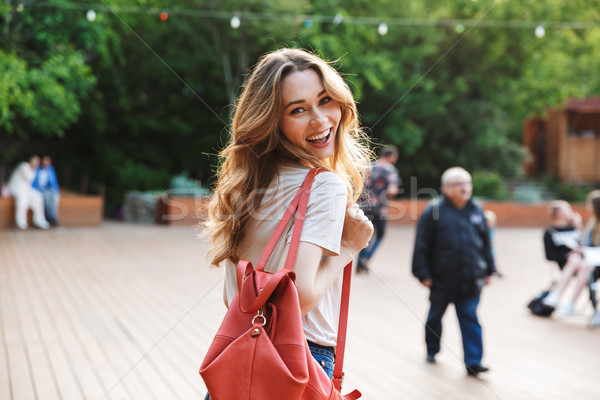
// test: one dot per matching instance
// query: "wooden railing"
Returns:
(190, 211)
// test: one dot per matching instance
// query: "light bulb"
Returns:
(540, 32)
(235, 22)
(338, 19)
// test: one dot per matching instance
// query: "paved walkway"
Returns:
(127, 312)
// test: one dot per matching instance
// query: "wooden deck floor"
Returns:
(127, 312)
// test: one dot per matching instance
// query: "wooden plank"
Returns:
(128, 311)
(96, 317)
(50, 366)
(22, 384)
(56, 326)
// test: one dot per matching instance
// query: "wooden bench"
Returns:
(181, 211)
(73, 210)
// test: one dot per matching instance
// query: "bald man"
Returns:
(452, 257)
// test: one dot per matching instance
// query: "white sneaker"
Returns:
(42, 224)
(552, 300)
(566, 311)
(596, 319)
(22, 225)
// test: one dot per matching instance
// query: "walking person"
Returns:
(381, 185)
(295, 113)
(452, 257)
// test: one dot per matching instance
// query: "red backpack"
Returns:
(260, 352)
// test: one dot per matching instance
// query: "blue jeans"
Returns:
(470, 329)
(325, 358)
(51, 199)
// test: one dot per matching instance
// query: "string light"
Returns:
(539, 32)
(337, 19)
(382, 29)
(334, 19)
(235, 22)
(91, 15)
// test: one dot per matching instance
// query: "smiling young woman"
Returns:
(295, 113)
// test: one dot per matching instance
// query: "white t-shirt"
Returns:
(323, 226)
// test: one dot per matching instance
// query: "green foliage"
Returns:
(489, 185)
(43, 100)
(15, 97)
(128, 100)
(573, 192)
(528, 193)
(141, 177)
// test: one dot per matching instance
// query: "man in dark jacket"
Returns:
(453, 258)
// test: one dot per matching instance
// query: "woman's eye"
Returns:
(297, 110)
(325, 100)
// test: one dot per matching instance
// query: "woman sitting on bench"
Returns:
(562, 243)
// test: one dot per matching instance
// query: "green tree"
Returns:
(129, 100)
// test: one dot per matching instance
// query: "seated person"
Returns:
(592, 239)
(562, 243)
(25, 196)
(45, 182)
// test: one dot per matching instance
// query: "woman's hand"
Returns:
(357, 229)
(576, 220)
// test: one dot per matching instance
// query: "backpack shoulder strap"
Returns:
(299, 203)
(338, 368)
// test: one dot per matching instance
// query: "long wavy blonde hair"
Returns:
(257, 147)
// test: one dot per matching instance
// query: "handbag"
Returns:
(537, 306)
(259, 351)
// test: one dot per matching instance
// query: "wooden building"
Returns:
(566, 143)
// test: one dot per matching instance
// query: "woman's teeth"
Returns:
(320, 136)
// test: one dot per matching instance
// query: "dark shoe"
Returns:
(430, 359)
(361, 267)
(474, 370)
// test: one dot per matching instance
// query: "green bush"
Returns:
(489, 185)
(575, 192)
(528, 193)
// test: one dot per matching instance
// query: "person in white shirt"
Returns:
(295, 113)
(25, 196)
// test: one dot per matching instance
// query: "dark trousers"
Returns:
(470, 329)
(379, 224)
